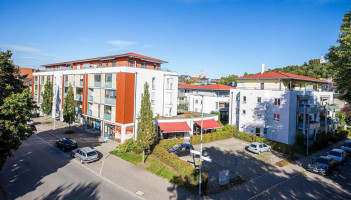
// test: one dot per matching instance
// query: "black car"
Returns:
(181, 149)
(323, 165)
(66, 144)
(347, 147)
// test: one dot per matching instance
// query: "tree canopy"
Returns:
(48, 94)
(340, 57)
(15, 108)
(69, 107)
(226, 80)
(313, 70)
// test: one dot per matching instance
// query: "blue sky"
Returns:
(220, 37)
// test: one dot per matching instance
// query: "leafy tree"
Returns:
(69, 108)
(146, 129)
(246, 74)
(226, 80)
(191, 81)
(341, 116)
(340, 56)
(48, 94)
(15, 108)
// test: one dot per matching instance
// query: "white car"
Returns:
(258, 147)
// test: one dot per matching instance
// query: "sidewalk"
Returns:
(116, 170)
(258, 186)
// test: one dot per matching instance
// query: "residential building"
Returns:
(278, 105)
(108, 91)
(28, 72)
(213, 97)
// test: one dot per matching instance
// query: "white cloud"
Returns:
(26, 49)
(121, 43)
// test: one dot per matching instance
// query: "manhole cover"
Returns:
(140, 193)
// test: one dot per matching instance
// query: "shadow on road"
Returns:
(82, 191)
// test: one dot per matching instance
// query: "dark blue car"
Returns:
(181, 149)
(323, 165)
(66, 144)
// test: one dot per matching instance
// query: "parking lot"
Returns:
(231, 155)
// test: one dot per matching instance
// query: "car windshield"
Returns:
(176, 147)
(322, 160)
(346, 144)
(335, 153)
(92, 153)
(253, 145)
(69, 142)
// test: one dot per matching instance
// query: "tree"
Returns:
(340, 56)
(191, 81)
(15, 108)
(69, 108)
(226, 80)
(48, 94)
(341, 116)
(146, 128)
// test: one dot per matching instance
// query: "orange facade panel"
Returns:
(125, 98)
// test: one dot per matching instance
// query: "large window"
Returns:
(108, 80)
(262, 86)
(110, 97)
(169, 84)
(143, 65)
(114, 63)
(97, 80)
(277, 102)
(107, 112)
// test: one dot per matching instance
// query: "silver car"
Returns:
(85, 154)
(258, 147)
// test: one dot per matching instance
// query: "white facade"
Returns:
(211, 103)
(275, 114)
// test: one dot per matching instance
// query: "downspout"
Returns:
(135, 86)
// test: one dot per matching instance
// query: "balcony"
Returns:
(108, 84)
(111, 101)
(311, 125)
(309, 109)
(90, 98)
(107, 116)
(183, 102)
(90, 112)
(66, 83)
(97, 84)
(79, 97)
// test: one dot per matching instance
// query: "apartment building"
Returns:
(213, 97)
(108, 91)
(278, 105)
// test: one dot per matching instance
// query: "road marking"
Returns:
(92, 171)
(101, 166)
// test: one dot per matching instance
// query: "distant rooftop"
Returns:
(280, 75)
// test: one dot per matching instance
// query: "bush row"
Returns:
(326, 139)
(190, 174)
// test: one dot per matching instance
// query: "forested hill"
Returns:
(314, 70)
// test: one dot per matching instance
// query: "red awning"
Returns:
(171, 127)
(209, 124)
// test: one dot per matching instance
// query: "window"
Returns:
(217, 105)
(258, 99)
(153, 83)
(244, 99)
(169, 83)
(196, 101)
(131, 63)
(108, 80)
(153, 98)
(143, 65)
(244, 112)
(277, 102)
(100, 64)
(78, 66)
(276, 117)
(114, 63)
(258, 131)
(262, 86)
(108, 110)
(110, 94)
(106, 64)
(42, 79)
(265, 130)
(97, 78)
(238, 98)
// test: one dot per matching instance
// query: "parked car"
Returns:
(66, 144)
(323, 165)
(339, 155)
(258, 147)
(181, 149)
(346, 146)
(85, 154)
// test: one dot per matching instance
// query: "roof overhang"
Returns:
(283, 78)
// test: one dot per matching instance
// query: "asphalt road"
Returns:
(313, 186)
(40, 171)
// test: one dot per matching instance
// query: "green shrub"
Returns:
(167, 144)
(69, 131)
(129, 145)
(300, 139)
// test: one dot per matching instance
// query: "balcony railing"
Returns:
(108, 84)
(90, 98)
(78, 97)
(309, 109)
(90, 112)
(111, 101)
(97, 84)
(107, 116)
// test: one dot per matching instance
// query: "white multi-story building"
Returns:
(279, 105)
(108, 90)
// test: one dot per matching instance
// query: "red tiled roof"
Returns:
(209, 124)
(139, 55)
(26, 71)
(207, 87)
(170, 127)
(273, 75)
(217, 87)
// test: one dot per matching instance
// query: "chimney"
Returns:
(262, 68)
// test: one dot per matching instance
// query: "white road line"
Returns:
(92, 171)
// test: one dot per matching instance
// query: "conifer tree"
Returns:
(48, 94)
(69, 108)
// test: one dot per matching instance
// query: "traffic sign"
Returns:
(195, 152)
(206, 158)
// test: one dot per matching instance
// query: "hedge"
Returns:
(190, 174)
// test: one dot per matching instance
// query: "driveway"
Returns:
(230, 154)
